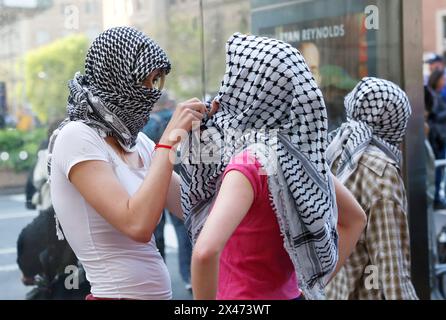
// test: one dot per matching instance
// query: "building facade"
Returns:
(434, 26)
(27, 32)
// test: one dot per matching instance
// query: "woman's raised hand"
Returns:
(182, 120)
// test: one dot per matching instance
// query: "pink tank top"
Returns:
(254, 264)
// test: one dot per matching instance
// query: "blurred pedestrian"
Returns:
(436, 108)
(435, 63)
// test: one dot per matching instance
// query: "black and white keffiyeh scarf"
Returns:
(377, 114)
(111, 97)
(271, 101)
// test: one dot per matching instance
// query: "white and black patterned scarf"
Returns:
(377, 114)
(111, 97)
(269, 96)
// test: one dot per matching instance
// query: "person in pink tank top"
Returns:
(263, 216)
(256, 246)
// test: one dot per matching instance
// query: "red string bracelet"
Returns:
(163, 146)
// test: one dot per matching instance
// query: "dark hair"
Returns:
(435, 78)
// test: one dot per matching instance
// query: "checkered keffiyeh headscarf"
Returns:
(268, 86)
(111, 97)
(377, 113)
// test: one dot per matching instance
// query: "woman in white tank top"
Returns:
(110, 184)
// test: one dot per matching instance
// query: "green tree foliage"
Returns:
(183, 45)
(217, 31)
(15, 143)
(47, 72)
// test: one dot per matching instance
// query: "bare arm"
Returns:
(351, 223)
(174, 197)
(137, 215)
(233, 202)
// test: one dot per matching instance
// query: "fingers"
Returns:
(189, 115)
(196, 116)
(192, 100)
(183, 118)
(214, 108)
(196, 106)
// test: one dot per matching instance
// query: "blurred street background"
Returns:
(44, 42)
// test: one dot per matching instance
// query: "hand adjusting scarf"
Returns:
(377, 114)
(271, 101)
(111, 97)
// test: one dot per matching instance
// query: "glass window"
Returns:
(337, 38)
